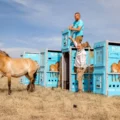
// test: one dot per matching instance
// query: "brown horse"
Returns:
(17, 67)
(54, 67)
(115, 67)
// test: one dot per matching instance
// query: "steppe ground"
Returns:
(56, 104)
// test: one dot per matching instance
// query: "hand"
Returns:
(70, 37)
(70, 27)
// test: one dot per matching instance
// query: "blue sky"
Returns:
(31, 25)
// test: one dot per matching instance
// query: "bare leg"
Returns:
(80, 84)
(80, 73)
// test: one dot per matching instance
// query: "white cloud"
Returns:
(22, 41)
(99, 17)
(110, 3)
(22, 2)
(41, 42)
(43, 13)
(16, 52)
(38, 43)
(1, 44)
(48, 39)
(111, 9)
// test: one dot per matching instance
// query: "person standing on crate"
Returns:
(80, 61)
(77, 28)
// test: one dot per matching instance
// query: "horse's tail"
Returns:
(38, 66)
(35, 75)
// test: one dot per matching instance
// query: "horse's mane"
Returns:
(4, 53)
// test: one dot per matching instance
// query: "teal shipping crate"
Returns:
(66, 42)
(36, 57)
(49, 78)
(69, 77)
(106, 77)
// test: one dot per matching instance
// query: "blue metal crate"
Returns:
(74, 83)
(66, 42)
(35, 57)
(105, 82)
(87, 82)
(49, 78)
(68, 74)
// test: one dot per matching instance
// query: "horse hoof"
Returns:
(28, 87)
(31, 90)
(9, 92)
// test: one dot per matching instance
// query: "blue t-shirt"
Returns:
(77, 24)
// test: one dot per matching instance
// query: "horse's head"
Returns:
(119, 64)
(57, 64)
(3, 53)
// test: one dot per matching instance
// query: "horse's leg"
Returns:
(33, 84)
(31, 76)
(9, 84)
(28, 86)
(33, 81)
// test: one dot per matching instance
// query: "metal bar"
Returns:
(45, 59)
(33, 52)
(106, 67)
(113, 73)
(52, 72)
(70, 66)
(54, 50)
(113, 42)
(62, 73)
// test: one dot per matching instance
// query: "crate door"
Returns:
(113, 84)
(99, 84)
(33, 56)
(113, 58)
(52, 59)
(99, 59)
(42, 69)
(66, 42)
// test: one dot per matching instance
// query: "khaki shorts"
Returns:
(79, 39)
(80, 72)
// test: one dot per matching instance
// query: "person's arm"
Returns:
(71, 39)
(70, 27)
(79, 26)
(75, 43)
(75, 29)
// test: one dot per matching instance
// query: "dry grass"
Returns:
(57, 104)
